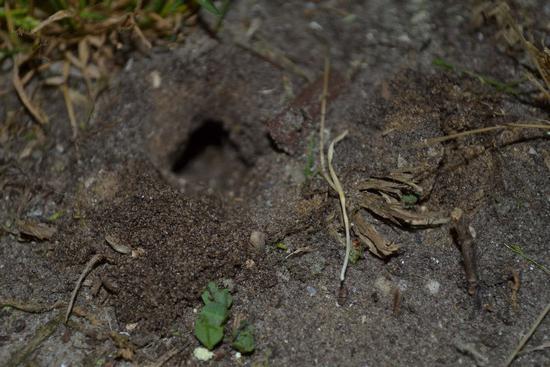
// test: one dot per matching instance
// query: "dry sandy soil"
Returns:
(183, 171)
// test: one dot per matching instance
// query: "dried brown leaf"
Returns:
(62, 14)
(20, 89)
(38, 231)
(83, 51)
(376, 244)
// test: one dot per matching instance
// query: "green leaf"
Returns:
(209, 5)
(92, 15)
(356, 253)
(281, 246)
(214, 313)
(214, 294)
(442, 64)
(409, 199)
(209, 335)
(244, 339)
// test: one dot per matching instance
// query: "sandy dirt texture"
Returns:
(193, 148)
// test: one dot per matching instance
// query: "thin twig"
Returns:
(466, 243)
(96, 259)
(484, 130)
(527, 336)
(301, 250)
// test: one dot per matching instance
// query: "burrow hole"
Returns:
(210, 158)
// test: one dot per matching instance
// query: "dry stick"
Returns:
(527, 336)
(466, 244)
(96, 259)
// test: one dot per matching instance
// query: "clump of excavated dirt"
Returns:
(180, 243)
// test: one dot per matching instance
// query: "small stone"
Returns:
(532, 151)
(132, 326)
(311, 291)
(156, 80)
(433, 287)
(203, 354)
(257, 239)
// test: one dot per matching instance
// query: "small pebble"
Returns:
(257, 239)
(203, 354)
(311, 291)
(433, 287)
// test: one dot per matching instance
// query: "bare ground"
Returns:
(183, 173)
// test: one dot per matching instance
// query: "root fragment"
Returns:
(95, 260)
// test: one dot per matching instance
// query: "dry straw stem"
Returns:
(62, 14)
(333, 180)
(342, 197)
(527, 336)
(20, 89)
(545, 126)
(541, 59)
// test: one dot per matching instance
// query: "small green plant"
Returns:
(243, 338)
(209, 327)
(357, 252)
(281, 246)
(213, 315)
(517, 249)
(505, 87)
(209, 5)
(409, 200)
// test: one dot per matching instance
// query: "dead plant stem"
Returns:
(527, 336)
(96, 259)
